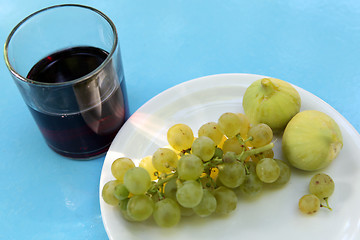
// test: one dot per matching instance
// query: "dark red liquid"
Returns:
(83, 132)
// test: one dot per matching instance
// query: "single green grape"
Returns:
(261, 135)
(170, 189)
(140, 207)
(190, 167)
(180, 137)
(157, 196)
(207, 205)
(186, 212)
(107, 192)
(252, 185)
(229, 124)
(164, 160)
(268, 170)
(120, 166)
(309, 204)
(232, 175)
(244, 125)
(233, 145)
(285, 173)
(226, 200)
(137, 180)
(123, 210)
(218, 153)
(170, 192)
(121, 192)
(322, 185)
(189, 193)
(146, 163)
(229, 157)
(167, 213)
(211, 130)
(204, 148)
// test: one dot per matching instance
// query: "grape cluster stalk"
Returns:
(197, 175)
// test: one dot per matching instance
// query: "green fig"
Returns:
(311, 140)
(271, 101)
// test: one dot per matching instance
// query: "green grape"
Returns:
(233, 145)
(186, 212)
(146, 163)
(137, 180)
(285, 173)
(244, 124)
(170, 192)
(251, 166)
(206, 181)
(229, 124)
(321, 185)
(204, 148)
(266, 154)
(167, 213)
(189, 193)
(164, 160)
(207, 205)
(252, 185)
(309, 204)
(229, 157)
(211, 130)
(120, 166)
(232, 175)
(180, 137)
(140, 207)
(218, 153)
(170, 189)
(261, 135)
(107, 192)
(123, 209)
(156, 197)
(121, 192)
(218, 183)
(268, 170)
(226, 200)
(190, 167)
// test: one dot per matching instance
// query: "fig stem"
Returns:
(268, 86)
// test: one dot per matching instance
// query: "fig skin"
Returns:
(271, 101)
(311, 140)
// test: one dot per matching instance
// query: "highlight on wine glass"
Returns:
(66, 63)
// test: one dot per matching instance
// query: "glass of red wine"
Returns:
(66, 63)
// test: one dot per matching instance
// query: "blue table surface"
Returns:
(312, 44)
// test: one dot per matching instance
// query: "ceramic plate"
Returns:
(273, 215)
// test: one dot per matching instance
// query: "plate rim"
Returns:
(348, 126)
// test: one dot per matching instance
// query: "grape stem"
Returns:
(327, 204)
(247, 153)
(212, 163)
(162, 181)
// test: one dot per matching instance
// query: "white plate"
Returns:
(275, 214)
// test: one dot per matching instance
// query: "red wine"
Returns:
(92, 111)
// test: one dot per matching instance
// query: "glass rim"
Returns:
(71, 82)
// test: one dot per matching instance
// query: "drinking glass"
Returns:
(66, 63)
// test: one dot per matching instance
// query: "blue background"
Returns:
(312, 44)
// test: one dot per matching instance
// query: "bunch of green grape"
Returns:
(321, 187)
(200, 176)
